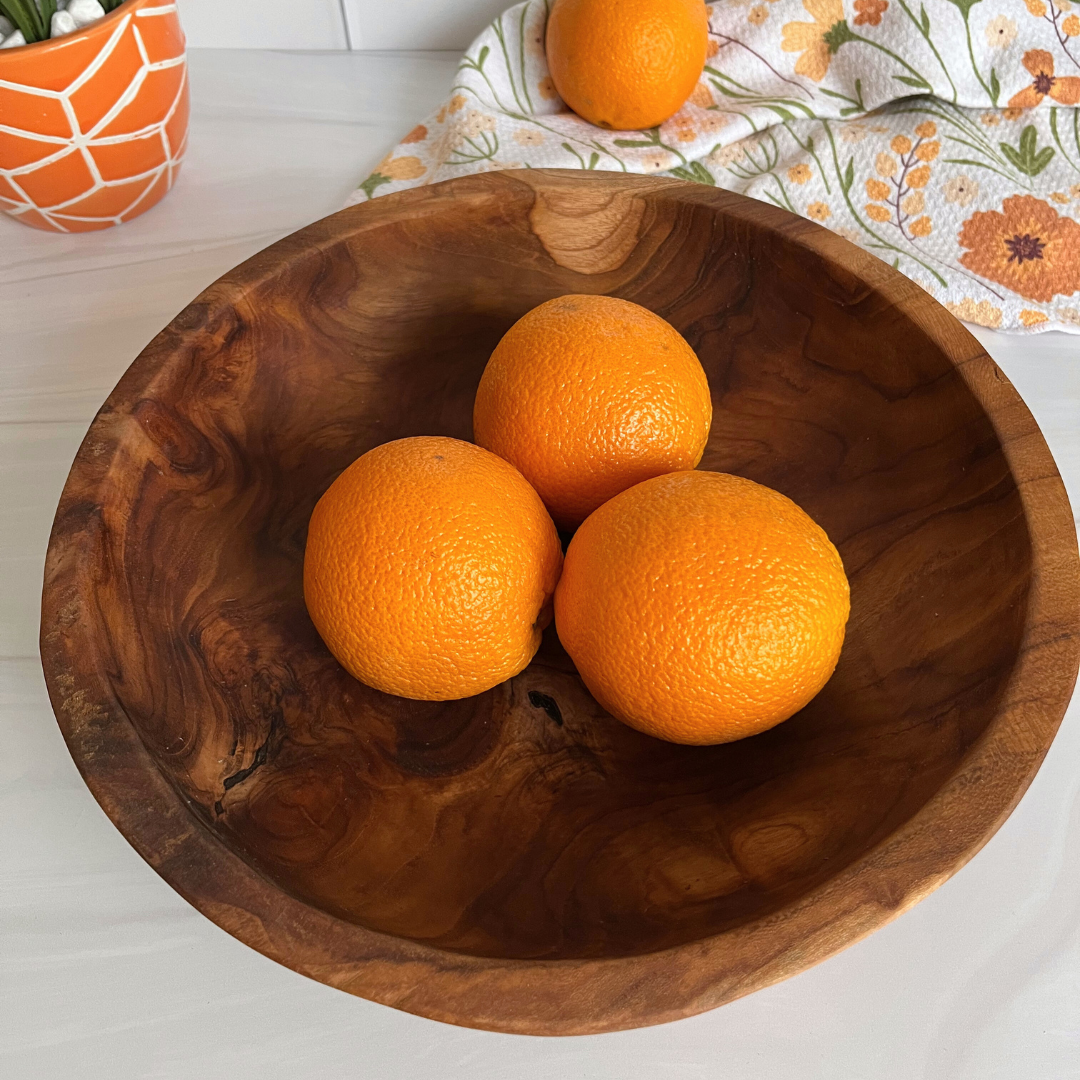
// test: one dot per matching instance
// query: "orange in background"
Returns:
(95, 122)
(628, 65)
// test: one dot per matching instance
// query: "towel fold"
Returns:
(941, 135)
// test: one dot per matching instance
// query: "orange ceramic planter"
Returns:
(93, 126)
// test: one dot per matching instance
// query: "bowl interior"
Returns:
(526, 823)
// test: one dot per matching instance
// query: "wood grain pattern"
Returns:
(520, 861)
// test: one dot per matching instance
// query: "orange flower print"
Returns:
(919, 177)
(799, 174)
(418, 134)
(402, 168)
(819, 211)
(817, 41)
(1026, 246)
(1041, 64)
(1071, 26)
(701, 97)
(983, 313)
(870, 11)
(1032, 318)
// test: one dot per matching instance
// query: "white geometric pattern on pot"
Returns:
(109, 162)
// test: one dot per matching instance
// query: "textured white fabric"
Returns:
(940, 135)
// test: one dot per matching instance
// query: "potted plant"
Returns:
(94, 99)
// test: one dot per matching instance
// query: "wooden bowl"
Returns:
(520, 861)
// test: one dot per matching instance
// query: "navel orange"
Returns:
(701, 608)
(430, 568)
(589, 395)
(626, 64)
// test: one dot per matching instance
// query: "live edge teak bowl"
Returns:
(520, 861)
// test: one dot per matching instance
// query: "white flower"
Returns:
(712, 122)
(528, 137)
(477, 122)
(657, 161)
(1000, 31)
(961, 190)
(723, 156)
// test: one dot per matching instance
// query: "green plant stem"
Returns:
(48, 10)
(521, 58)
(35, 19)
(975, 66)
(899, 59)
(845, 189)
(808, 147)
(26, 17)
(926, 37)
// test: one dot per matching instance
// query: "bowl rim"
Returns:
(565, 997)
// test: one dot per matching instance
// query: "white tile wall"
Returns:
(264, 24)
(336, 24)
(418, 24)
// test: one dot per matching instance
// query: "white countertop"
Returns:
(105, 972)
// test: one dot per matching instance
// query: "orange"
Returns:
(430, 568)
(626, 64)
(701, 607)
(589, 395)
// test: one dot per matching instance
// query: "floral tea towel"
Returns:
(941, 135)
